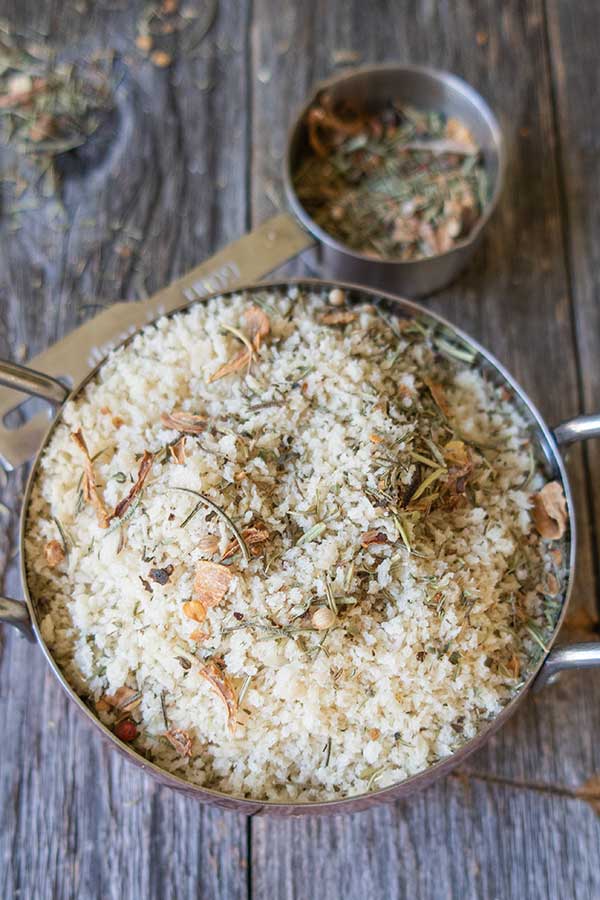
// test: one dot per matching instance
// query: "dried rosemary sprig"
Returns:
(312, 534)
(63, 536)
(243, 690)
(206, 501)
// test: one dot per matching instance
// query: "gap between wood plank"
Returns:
(249, 100)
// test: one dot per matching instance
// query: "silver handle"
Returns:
(578, 429)
(30, 381)
(571, 656)
(14, 613)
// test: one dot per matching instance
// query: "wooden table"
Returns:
(192, 161)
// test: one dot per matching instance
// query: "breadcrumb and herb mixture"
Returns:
(294, 548)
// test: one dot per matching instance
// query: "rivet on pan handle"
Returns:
(246, 260)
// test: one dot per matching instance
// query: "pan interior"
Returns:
(450, 345)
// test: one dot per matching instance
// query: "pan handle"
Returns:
(30, 381)
(578, 429)
(14, 613)
(36, 384)
(570, 656)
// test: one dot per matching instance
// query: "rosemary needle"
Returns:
(203, 500)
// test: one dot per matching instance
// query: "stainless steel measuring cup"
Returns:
(369, 89)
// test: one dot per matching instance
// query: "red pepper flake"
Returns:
(221, 684)
(91, 494)
(437, 392)
(126, 730)
(198, 635)
(341, 317)
(514, 666)
(124, 699)
(54, 553)
(258, 327)
(211, 583)
(177, 451)
(322, 118)
(255, 536)
(550, 511)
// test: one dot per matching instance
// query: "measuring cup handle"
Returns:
(246, 260)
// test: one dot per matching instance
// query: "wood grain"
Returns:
(191, 160)
(573, 46)
(465, 837)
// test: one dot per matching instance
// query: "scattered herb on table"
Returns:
(169, 29)
(48, 107)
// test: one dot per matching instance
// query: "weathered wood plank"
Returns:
(573, 42)
(439, 844)
(515, 299)
(76, 821)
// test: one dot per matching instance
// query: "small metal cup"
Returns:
(369, 89)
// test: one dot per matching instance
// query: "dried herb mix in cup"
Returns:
(401, 184)
(348, 566)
